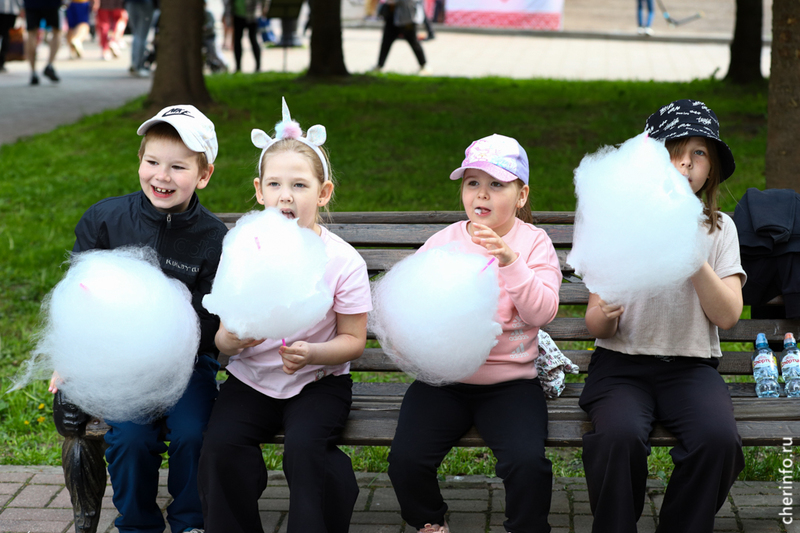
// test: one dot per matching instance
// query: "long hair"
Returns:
(709, 192)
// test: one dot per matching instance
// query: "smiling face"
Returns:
(693, 161)
(490, 201)
(169, 173)
(289, 184)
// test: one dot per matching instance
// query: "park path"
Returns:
(599, 41)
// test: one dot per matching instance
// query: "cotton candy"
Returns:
(433, 313)
(121, 334)
(638, 225)
(270, 282)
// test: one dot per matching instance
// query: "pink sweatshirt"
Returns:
(528, 298)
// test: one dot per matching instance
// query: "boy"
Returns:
(176, 158)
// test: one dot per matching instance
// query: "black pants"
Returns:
(6, 23)
(625, 395)
(512, 419)
(390, 33)
(239, 25)
(322, 485)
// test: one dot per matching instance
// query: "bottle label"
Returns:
(766, 361)
(790, 363)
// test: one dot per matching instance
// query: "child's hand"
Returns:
(295, 356)
(230, 344)
(611, 311)
(494, 244)
(55, 381)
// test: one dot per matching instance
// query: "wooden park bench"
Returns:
(384, 238)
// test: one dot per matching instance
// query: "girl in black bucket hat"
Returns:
(656, 360)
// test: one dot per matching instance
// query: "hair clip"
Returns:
(290, 129)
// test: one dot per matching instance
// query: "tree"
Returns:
(745, 65)
(179, 73)
(327, 56)
(783, 107)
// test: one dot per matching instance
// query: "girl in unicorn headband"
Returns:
(303, 386)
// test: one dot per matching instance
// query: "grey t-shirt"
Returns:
(673, 322)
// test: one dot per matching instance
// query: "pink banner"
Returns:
(520, 14)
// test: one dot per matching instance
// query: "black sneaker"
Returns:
(34, 79)
(50, 72)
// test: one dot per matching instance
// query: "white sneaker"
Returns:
(376, 69)
(648, 31)
(424, 71)
(640, 30)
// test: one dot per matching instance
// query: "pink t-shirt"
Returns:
(528, 298)
(262, 368)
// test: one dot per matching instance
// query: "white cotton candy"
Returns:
(270, 281)
(434, 311)
(638, 225)
(121, 334)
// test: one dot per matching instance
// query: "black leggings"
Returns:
(390, 33)
(239, 25)
(6, 23)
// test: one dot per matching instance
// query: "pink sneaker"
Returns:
(435, 528)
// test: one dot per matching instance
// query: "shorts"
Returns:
(78, 13)
(35, 15)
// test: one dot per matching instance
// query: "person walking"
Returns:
(140, 16)
(37, 11)
(401, 17)
(9, 11)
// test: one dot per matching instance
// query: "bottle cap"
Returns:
(788, 339)
(761, 340)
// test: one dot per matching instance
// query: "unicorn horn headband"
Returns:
(290, 129)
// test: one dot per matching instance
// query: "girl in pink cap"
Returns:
(504, 398)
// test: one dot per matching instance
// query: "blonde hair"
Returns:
(163, 131)
(708, 193)
(298, 147)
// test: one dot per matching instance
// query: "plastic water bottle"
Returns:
(790, 366)
(765, 369)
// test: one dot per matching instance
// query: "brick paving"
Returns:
(33, 500)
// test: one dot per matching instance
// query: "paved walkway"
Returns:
(599, 41)
(33, 500)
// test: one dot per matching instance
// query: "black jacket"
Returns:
(188, 244)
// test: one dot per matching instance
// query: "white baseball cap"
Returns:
(195, 129)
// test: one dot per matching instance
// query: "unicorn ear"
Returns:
(317, 135)
(260, 138)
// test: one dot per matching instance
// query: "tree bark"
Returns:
(327, 56)
(179, 61)
(745, 65)
(783, 111)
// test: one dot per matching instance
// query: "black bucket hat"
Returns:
(690, 118)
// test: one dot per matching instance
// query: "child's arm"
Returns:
(532, 282)
(721, 299)
(602, 319)
(348, 344)
(229, 344)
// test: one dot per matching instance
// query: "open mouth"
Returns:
(482, 211)
(288, 213)
(162, 193)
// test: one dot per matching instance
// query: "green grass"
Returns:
(393, 142)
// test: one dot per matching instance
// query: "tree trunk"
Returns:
(783, 125)
(179, 61)
(327, 56)
(745, 66)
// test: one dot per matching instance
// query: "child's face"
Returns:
(169, 174)
(693, 162)
(490, 201)
(289, 183)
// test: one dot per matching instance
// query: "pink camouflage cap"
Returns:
(499, 156)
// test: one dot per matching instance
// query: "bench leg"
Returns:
(85, 476)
